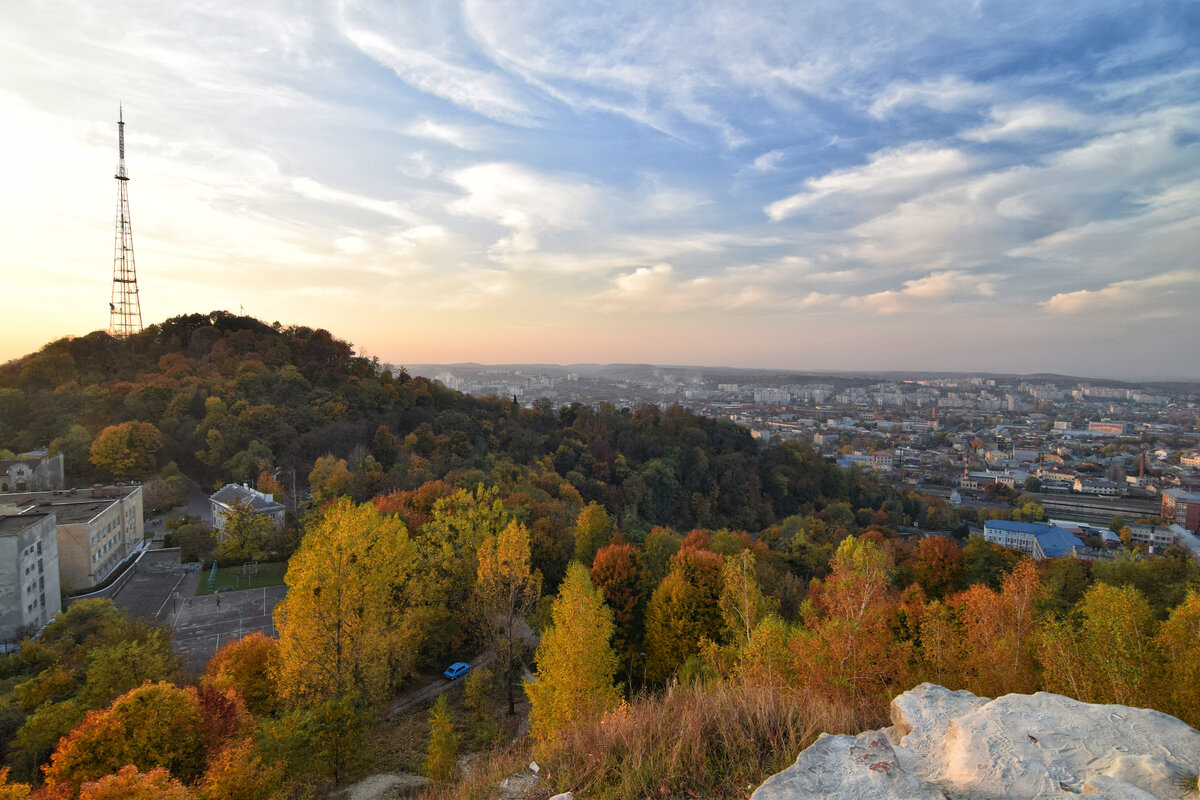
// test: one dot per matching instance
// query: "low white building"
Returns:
(232, 494)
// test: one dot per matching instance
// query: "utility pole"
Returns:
(125, 309)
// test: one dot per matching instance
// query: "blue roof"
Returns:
(1057, 542)
(1054, 541)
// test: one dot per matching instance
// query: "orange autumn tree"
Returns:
(246, 666)
(130, 784)
(846, 648)
(997, 631)
(239, 772)
(155, 725)
(615, 574)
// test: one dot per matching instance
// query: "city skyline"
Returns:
(852, 187)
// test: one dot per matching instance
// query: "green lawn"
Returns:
(269, 574)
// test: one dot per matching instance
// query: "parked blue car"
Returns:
(457, 670)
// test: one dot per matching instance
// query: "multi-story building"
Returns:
(97, 529)
(1036, 539)
(1181, 508)
(29, 589)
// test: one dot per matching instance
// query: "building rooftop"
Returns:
(232, 493)
(12, 525)
(70, 505)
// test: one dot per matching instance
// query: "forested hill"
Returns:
(234, 398)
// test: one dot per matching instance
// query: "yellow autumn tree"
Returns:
(506, 590)
(338, 627)
(575, 661)
(1109, 656)
(1178, 640)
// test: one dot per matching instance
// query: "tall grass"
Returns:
(717, 741)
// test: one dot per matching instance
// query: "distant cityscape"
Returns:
(1088, 449)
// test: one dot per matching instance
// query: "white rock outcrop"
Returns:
(946, 745)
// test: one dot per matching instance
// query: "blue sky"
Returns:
(820, 185)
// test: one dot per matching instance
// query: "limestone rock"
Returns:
(946, 744)
(862, 766)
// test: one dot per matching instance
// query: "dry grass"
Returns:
(717, 741)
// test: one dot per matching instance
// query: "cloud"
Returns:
(1025, 119)
(928, 292)
(456, 135)
(1170, 293)
(892, 173)
(947, 93)
(427, 50)
(314, 190)
(524, 201)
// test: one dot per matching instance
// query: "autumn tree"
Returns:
(326, 739)
(442, 752)
(127, 451)
(239, 771)
(998, 630)
(684, 611)
(614, 573)
(1106, 654)
(338, 626)
(936, 565)
(10, 790)
(131, 784)
(505, 592)
(593, 529)
(246, 665)
(1178, 640)
(156, 725)
(742, 603)
(330, 478)
(575, 661)
(847, 648)
(245, 534)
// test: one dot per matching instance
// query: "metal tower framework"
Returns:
(125, 310)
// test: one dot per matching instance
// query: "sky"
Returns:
(818, 185)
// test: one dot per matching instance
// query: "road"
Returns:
(439, 685)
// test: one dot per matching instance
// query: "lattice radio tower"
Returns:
(125, 310)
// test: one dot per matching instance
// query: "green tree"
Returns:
(127, 451)
(75, 446)
(442, 752)
(575, 661)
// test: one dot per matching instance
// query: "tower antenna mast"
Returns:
(125, 310)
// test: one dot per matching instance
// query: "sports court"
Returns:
(164, 590)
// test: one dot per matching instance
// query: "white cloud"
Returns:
(456, 135)
(314, 190)
(928, 292)
(893, 173)
(525, 202)
(1014, 121)
(424, 47)
(767, 162)
(947, 93)
(1171, 293)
